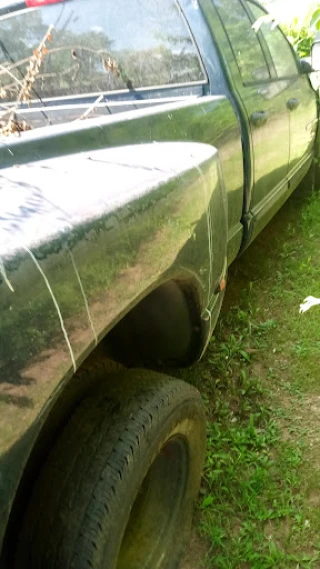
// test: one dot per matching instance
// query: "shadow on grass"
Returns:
(263, 257)
(232, 533)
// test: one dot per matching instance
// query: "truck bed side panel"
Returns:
(84, 237)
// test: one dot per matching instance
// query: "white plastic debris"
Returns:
(308, 303)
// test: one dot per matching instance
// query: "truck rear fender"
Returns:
(123, 246)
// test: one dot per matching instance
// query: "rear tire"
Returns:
(118, 487)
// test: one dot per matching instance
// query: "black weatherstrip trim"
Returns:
(12, 7)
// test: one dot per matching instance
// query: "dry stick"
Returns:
(91, 108)
(11, 66)
(33, 68)
(26, 88)
(100, 52)
(8, 72)
(4, 109)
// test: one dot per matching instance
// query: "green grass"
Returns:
(260, 380)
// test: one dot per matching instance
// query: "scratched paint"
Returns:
(3, 273)
(85, 299)
(56, 305)
(204, 185)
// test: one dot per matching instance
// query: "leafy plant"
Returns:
(302, 31)
(315, 19)
(301, 36)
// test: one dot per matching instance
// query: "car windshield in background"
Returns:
(96, 46)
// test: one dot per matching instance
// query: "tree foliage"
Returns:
(301, 36)
(301, 31)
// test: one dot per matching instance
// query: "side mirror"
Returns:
(315, 56)
(306, 66)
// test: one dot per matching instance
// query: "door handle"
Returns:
(259, 118)
(293, 104)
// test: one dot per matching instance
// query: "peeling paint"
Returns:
(6, 147)
(84, 297)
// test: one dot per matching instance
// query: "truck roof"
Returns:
(8, 6)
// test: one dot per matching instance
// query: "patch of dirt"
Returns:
(314, 499)
(197, 553)
(309, 417)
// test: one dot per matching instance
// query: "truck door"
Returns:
(300, 98)
(264, 111)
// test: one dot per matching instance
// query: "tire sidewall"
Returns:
(183, 421)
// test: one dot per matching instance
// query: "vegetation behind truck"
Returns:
(143, 146)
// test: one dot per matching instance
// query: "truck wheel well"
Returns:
(163, 328)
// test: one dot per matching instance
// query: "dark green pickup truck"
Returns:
(143, 146)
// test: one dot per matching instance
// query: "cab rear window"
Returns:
(97, 46)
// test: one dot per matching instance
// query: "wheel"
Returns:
(118, 487)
